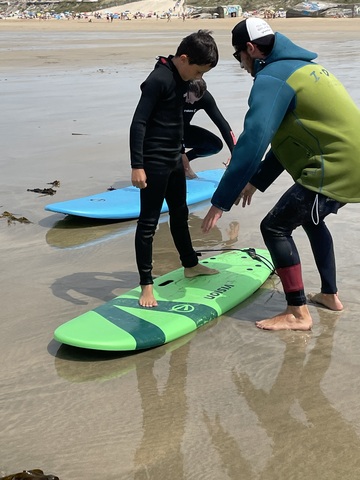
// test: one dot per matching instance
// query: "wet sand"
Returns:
(227, 402)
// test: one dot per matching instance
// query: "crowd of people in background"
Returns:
(177, 10)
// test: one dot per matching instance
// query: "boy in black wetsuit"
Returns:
(201, 142)
(156, 134)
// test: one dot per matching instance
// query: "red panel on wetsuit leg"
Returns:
(291, 278)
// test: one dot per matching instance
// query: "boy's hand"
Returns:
(138, 178)
(227, 162)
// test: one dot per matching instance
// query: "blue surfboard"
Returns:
(124, 203)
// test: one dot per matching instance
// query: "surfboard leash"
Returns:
(250, 251)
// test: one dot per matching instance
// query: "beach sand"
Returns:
(226, 402)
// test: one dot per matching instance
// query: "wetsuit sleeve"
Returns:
(268, 103)
(217, 117)
(269, 169)
(151, 91)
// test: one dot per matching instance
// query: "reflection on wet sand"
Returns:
(78, 365)
(163, 409)
(76, 287)
(163, 422)
(101, 285)
(308, 436)
(78, 232)
(165, 259)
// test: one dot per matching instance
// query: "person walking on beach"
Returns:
(201, 142)
(312, 124)
(156, 134)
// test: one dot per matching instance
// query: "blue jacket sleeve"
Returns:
(269, 102)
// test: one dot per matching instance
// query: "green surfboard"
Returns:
(184, 304)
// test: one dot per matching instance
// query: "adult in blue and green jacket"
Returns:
(299, 109)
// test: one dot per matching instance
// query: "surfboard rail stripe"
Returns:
(130, 321)
(140, 329)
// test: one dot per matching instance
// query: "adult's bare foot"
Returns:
(328, 300)
(294, 318)
(147, 298)
(199, 269)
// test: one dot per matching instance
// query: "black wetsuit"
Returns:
(156, 134)
(202, 142)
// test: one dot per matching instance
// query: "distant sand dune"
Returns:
(146, 6)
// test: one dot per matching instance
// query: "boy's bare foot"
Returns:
(199, 269)
(328, 300)
(147, 298)
(189, 173)
(294, 318)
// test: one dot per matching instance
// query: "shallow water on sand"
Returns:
(227, 402)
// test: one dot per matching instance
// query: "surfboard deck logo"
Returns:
(184, 304)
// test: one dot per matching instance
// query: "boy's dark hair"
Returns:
(198, 87)
(200, 47)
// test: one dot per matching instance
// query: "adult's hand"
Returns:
(211, 218)
(246, 195)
